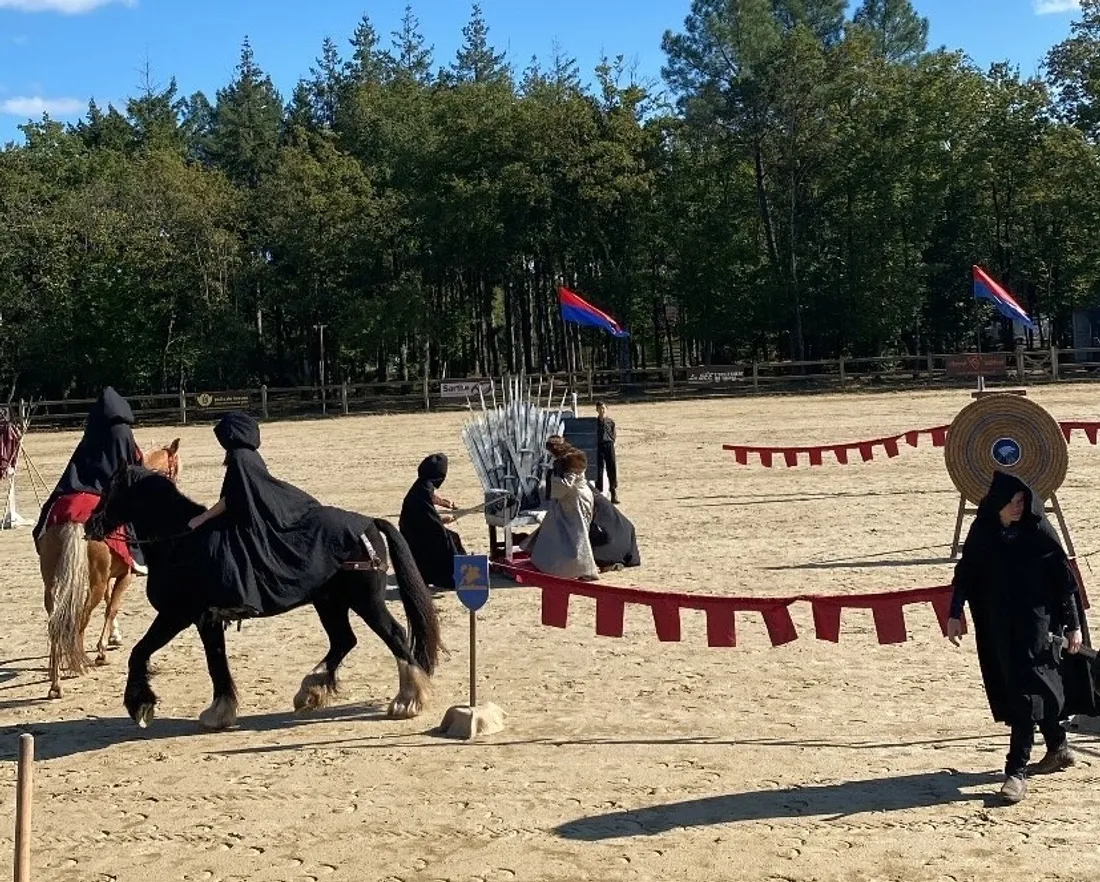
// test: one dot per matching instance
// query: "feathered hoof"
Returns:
(402, 708)
(314, 693)
(222, 714)
(143, 715)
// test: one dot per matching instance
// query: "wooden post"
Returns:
(344, 397)
(1020, 363)
(24, 795)
(183, 407)
(671, 380)
(755, 375)
(263, 400)
(473, 659)
(427, 400)
(1054, 362)
(931, 365)
(840, 365)
(590, 381)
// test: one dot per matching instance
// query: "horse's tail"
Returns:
(415, 597)
(70, 595)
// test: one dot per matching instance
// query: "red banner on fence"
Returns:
(890, 445)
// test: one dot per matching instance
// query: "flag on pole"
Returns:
(576, 309)
(987, 289)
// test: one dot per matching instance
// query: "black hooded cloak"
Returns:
(432, 544)
(108, 442)
(612, 535)
(1020, 588)
(274, 544)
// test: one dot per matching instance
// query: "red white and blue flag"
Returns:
(579, 311)
(987, 289)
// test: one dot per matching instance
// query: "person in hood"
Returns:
(108, 443)
(1021, 590)
(433, 545)
(270, 544)
(613, 537)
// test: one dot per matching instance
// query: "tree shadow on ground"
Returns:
(828, 800)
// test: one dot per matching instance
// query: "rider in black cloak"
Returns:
(270, 543)
(432, 544)
(1021, 589)
(108, 442)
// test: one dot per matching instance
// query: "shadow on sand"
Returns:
(827, 801)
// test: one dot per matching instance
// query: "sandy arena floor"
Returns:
(623, 759)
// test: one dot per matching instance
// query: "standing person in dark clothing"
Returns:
(1021, 591)
(605, 451)
(433, 546)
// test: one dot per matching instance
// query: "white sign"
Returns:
(460, 388)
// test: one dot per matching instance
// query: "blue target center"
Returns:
(1007, 452)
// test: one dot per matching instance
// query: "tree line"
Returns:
(800, 184)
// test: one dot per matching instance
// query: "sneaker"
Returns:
(1014, 789)
(1055, 761)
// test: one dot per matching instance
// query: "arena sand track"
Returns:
(623, 759)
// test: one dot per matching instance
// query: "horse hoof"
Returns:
(115, 641)
(222, 714)
(144, 715)
(54, 693)
(404, 709)
(313, 694)
(101, 659)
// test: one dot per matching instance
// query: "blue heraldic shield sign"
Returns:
(472, 580)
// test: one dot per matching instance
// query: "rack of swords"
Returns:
(506, 441)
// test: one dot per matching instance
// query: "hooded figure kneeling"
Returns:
(1021, 591)
(433, 546)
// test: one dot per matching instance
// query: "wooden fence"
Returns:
(1022, 367)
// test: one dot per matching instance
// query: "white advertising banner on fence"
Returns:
(460, 388)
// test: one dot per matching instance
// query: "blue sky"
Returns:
(56, 54)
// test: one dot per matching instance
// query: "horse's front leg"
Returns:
(222, 713)
(139, 698)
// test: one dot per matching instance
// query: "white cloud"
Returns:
(1042, 7)
(67, 7)
(36, 106)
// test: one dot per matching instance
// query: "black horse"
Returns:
(177, 584)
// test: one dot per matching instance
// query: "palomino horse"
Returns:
(78, 575)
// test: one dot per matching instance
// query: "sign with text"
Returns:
(460, 388)
(986, 365)
(721, 374)
(472, 580)
(222, 400)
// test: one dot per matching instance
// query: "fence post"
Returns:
(1054, 362)
(263, 400)
(427, 400)
(344, 397)
(590, 382)
(671, 380)
(183, 407)
(1020, 363)
(931, 366)
(755, 375)
(840, 364)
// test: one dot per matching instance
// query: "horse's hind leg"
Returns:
(99, 574)
(414, 685)
(222, 713)
(319, 686)
(109, 637)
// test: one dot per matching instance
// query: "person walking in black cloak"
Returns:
(433, 546)
(108, 442)
(1018, 582)
(270, 543)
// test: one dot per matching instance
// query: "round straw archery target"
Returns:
(1007, 433)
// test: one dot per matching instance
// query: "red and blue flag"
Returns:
(987, 289)
(579, 311)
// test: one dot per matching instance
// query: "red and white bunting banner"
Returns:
(887, 608)
(792, 456)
